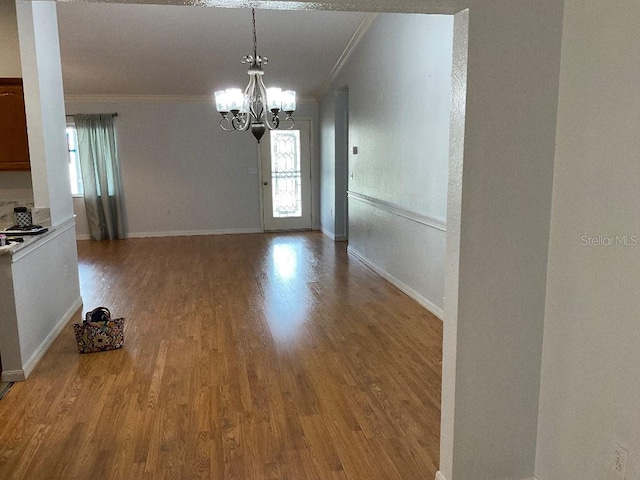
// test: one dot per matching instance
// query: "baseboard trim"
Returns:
(437, 311)
(327, 233)
(440, 476)
(194, 233)
(27, 368)
(334, 237)
(12, 376)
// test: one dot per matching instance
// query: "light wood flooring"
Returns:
(271, 356)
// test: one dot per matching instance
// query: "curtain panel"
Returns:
(101, 178)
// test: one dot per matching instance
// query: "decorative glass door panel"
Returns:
(286, 175)
(286, 168)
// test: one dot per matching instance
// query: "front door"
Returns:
(286, 178)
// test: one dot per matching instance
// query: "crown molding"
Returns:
(364, 26)
(109, 98)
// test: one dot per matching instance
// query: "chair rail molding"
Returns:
(398, 210)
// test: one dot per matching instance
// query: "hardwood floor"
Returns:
(270, 356)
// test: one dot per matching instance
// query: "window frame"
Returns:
(74, 159)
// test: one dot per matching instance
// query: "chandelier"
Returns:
(241, 111)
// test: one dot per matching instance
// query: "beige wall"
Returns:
(13, 185)
(9, 49)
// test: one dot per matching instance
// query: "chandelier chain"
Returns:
(255, 37)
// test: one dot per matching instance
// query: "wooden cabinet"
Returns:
(14, 146)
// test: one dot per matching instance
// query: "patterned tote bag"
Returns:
(99, 332)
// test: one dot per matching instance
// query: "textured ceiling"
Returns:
(120, 49)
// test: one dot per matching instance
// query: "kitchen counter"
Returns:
(39, 294)
(14, 250)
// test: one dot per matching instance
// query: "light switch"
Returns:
(355, 150)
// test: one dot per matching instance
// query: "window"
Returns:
(75, 174)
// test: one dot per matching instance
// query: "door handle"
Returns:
(266, 183)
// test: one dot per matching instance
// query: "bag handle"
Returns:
(100, 315)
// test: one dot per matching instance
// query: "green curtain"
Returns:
(101, 176)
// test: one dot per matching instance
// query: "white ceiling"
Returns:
(120, 49)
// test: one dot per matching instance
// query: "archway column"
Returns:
(44, 105)
(499, 204)
(39, 290)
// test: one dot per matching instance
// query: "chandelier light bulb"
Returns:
(235, 99)
(274, 98)
(222, 103)
(289, 101)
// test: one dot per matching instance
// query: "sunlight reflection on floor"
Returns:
(288, 297)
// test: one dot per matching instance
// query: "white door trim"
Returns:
(312, 161)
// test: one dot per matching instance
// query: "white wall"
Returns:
(590, 385)
(57, 300)
(44, 292)
(452, 257)
(335, 159)
(82, 224)
(402, 131)
(327, 163)
(341, 164)
(493, 336)
(399, 80)
(182, 174)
